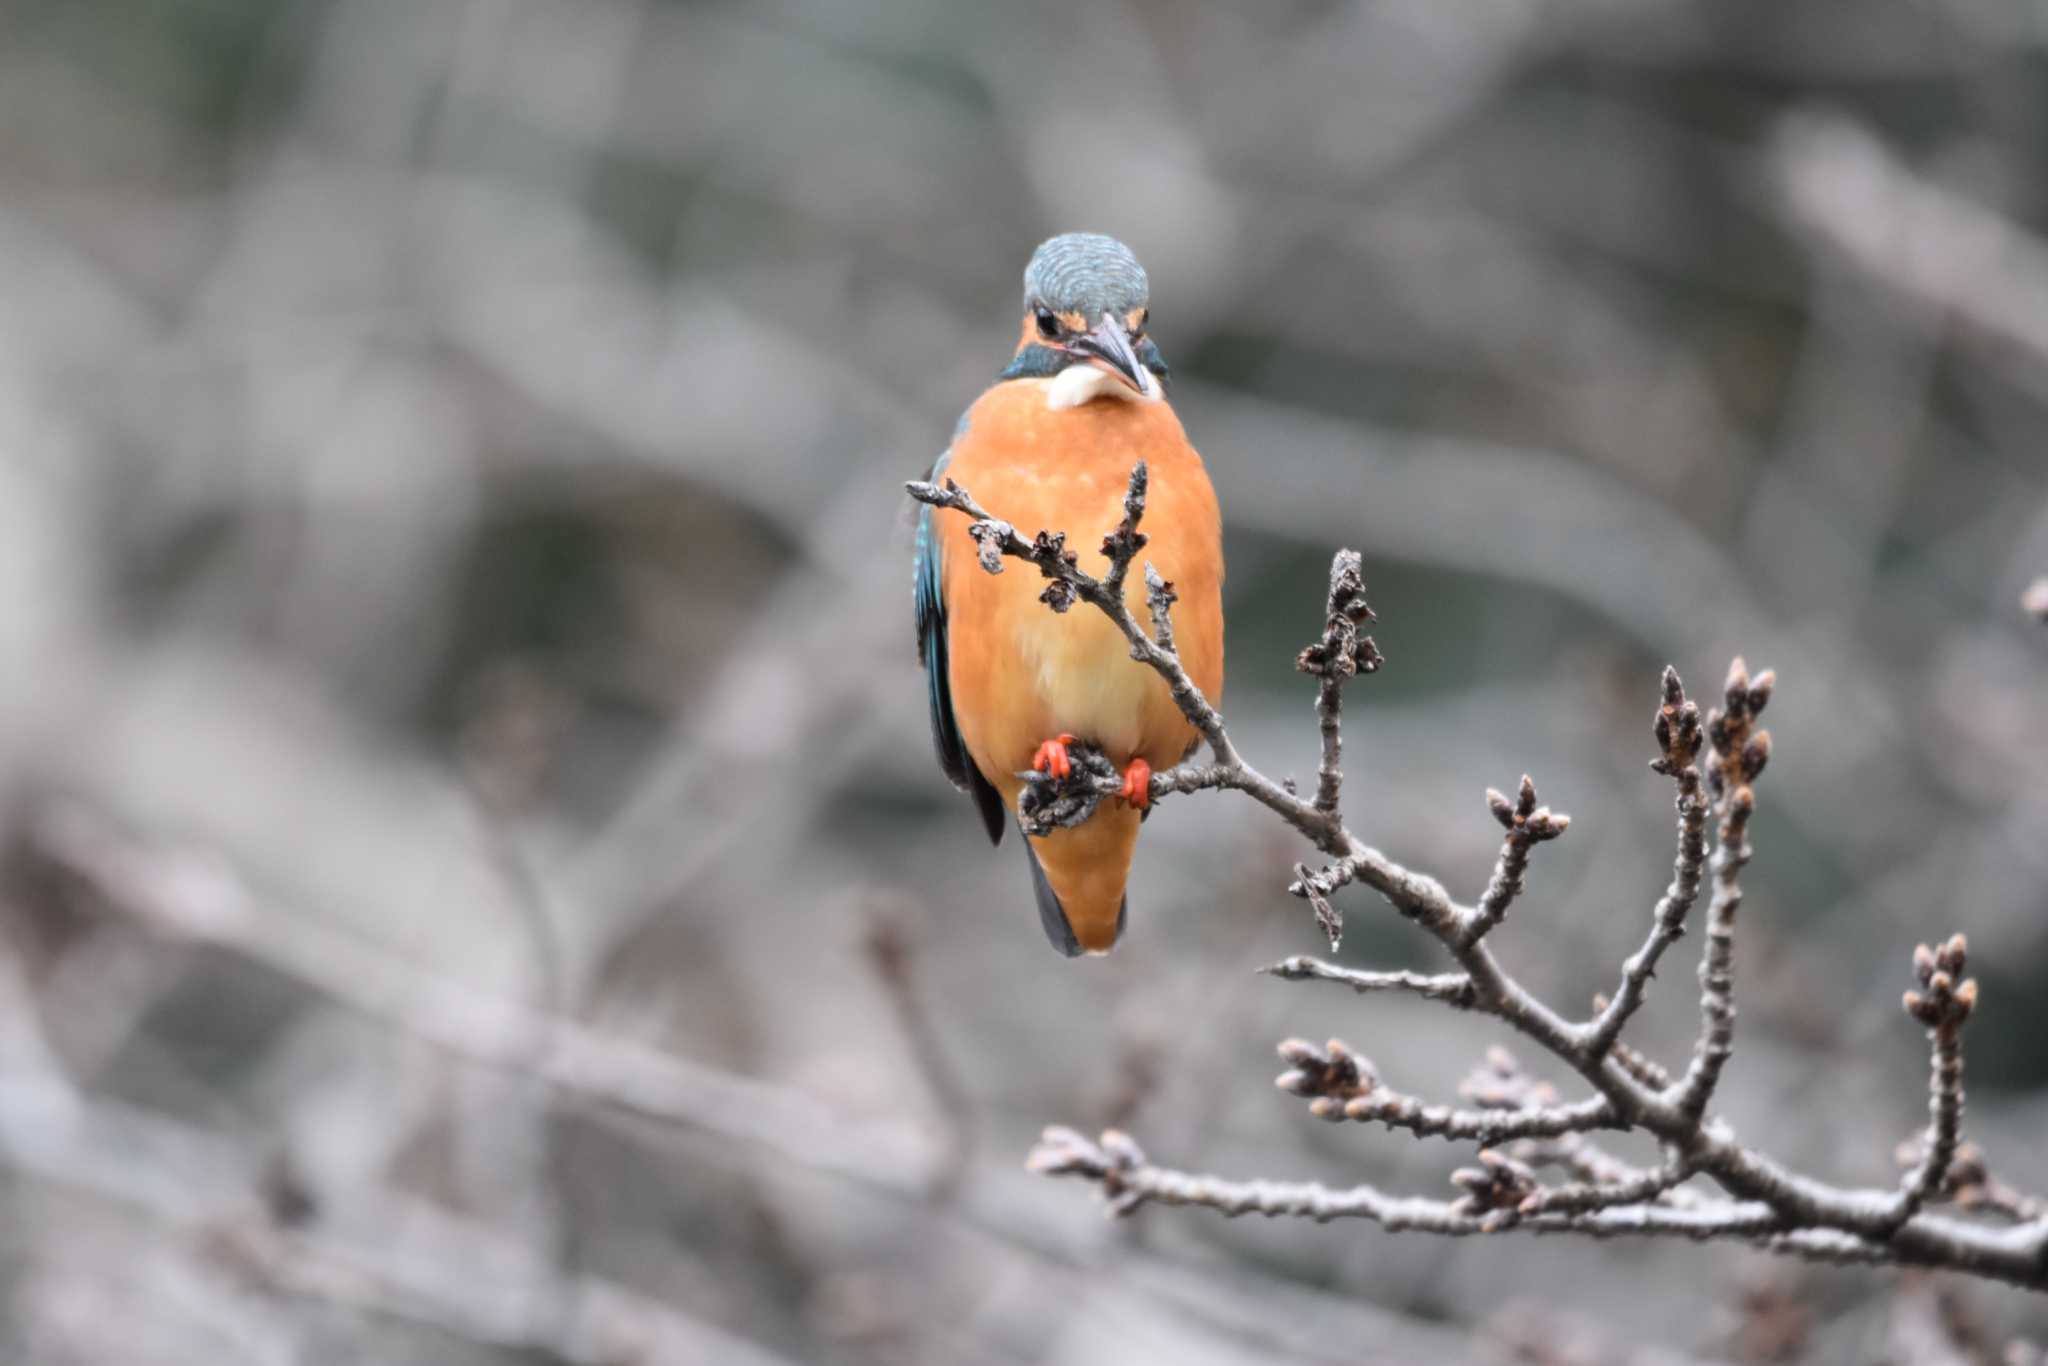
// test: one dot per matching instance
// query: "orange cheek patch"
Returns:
(1029, 335)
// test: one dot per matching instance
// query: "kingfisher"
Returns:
(1012, 685)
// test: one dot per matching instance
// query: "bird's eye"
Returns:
(1048, 325)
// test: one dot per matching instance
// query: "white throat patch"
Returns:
(1082, 383)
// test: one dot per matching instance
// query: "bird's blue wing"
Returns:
(928, 588)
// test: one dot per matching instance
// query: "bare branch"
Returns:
(1678, 736)
(1340, 1084)
(1128, 1180)
(1160, 598)
(1122, 545)
(1971, 1185)
(1604, 1179)
(1521, 1122)
(1341, 655)
(1646, 1070)
(1632, 1189)
(1943, 1003)
(1740, 752)
(1527, 825)
(1452, 987)
(1316, 891)
(1049, 802)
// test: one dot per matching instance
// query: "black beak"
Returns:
(1109, 346)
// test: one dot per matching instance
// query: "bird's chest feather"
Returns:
(1023, 672)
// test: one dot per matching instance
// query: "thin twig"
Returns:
(1678, 736)
(1634, 1188)
(1527, 826)
(1452, 987)
(1943, 1003)
(1341, 655)
(1340, 1084)
(1739, 754)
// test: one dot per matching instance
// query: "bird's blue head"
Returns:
(1087, 302)
(1086, 273)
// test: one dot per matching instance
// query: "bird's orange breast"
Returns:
(1021, 673)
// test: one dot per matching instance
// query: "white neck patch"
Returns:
(1083, 383)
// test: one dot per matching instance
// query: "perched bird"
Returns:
(1051, 445)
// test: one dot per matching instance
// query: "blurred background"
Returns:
(476, 887)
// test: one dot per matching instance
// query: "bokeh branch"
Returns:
(1521, 1125)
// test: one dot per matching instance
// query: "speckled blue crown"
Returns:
(1086, 273)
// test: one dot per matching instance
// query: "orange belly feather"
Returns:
(1022, 673)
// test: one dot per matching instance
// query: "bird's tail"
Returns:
(1079, 875)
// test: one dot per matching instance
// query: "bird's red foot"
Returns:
(1137, 784)
(1052, 757)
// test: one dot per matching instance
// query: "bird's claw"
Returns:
(1052, 757)
(1137, 789)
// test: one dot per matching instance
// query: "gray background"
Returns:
(452, 552)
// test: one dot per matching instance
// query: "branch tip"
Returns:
(1674, 687)
(1526, 824)
(1736, 690)
(1942, 1003)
